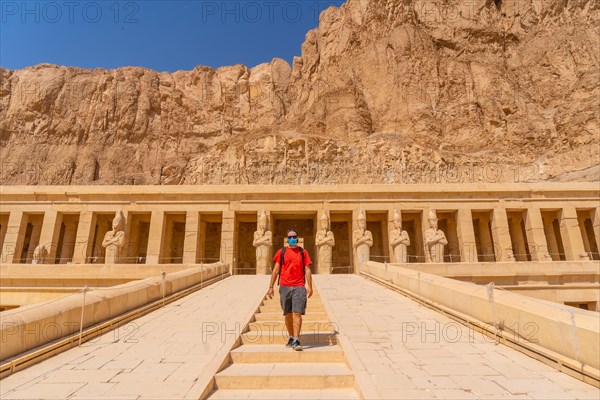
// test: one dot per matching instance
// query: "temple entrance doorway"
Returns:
(244, 262)
(586, 225)
(447, 223)
(173, 238)
(518, 234)
(136, 246)
(411, 223)
(378, 225)
(66, 238)
(341, 226)
(102, 223)
(209, 246)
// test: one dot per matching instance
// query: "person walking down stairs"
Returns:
(292, 267)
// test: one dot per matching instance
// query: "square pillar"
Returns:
(83, 238)
(501, 235)
(534, 229)
(424, 227)
(13, 240)
(570, 233)
(190, 243)
(466, 236)
(595, 214)
(49, 234)
(157, 222)
(355, 262)
(227, 239)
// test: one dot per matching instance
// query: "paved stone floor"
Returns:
(396, 348)
(164, 354)
(400, 350)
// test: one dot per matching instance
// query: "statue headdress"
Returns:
(432, 214)
(361, 215)
(263, 218)
(118, 220)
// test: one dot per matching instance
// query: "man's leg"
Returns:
(289, 323)
(297, 324)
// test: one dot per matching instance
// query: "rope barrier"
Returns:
(84, 290)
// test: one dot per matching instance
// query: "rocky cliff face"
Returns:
(386, 91)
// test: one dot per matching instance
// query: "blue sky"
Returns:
(161, 35)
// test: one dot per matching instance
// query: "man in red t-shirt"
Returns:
(292, 291)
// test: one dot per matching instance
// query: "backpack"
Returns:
(281, 262)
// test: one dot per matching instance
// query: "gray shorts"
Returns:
(293, 299)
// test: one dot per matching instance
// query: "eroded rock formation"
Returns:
(385, 91)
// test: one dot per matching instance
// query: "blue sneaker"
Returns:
(296, 345)
(290, 342)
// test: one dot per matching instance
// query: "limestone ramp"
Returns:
(401, 350)
(171, 353)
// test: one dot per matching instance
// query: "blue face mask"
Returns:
(293, 241)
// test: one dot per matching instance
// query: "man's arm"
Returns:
(273, 278)
(309, 290)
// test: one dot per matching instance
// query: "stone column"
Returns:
(155, 237)
(501, 235)
(421, 238)
(571, 234)
(466, 236)
(355, 263)
(227, 238)
(534, 229)
(49, 234)
(13, 240)
(595, 214)
(551, 239)
(35, 240)
(69, 239)
(190, 243)
(83, 238)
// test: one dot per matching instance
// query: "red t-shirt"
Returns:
(291, 272)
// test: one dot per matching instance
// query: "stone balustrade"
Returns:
(31, 326)
(568, 335)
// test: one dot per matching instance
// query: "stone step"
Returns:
(277, 353)
(264, 337)
(285, 394)
(277, 308)
(276, 297)
(288, 376)
(278, 302)
(279, 326)
(277, 316)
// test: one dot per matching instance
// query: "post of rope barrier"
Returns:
(163, 286)
(571, 312)
(490, 293)
(84, 291)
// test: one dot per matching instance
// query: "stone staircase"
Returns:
(263, 368)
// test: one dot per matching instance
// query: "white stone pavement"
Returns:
(162, 355)
(437, 357)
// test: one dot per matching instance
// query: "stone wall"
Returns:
(31, 326)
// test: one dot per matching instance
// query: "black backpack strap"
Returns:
(302, 254)
(280, 264)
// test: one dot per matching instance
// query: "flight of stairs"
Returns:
(263, 368)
